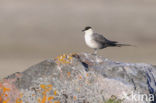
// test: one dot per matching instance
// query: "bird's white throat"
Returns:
(89, 32)
(88, 35)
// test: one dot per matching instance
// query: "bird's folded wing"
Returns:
(101, 39)
(105, 42)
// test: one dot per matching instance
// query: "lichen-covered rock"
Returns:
(81, 78)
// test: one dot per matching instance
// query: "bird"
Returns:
(98, 41)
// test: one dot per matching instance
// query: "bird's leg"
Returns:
(95, 51)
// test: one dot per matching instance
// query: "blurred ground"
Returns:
(31, 31)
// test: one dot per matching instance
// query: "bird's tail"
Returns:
(115, 43)
(120, 45)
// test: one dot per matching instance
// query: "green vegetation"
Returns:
(114, 99)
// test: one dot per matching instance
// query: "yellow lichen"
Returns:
(55, 92)
(64, 59)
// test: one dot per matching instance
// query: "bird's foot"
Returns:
(94, 54)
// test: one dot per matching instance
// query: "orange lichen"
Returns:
(5, 89)
(56, 101)
(6, 101)
(46, 88)
(42, 86)
(33, 94)
(19, 100)
(87, 74)
(39, 100)
(75, 97)
(4, 94)
(45, 98)
(68, 74)
(50, 98)
(0, 99)
(80, 77)
(4, 98)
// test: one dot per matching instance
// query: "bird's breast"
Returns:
(91, 42)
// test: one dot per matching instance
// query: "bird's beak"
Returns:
(83, 30)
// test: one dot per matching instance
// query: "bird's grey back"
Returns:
(99, 38)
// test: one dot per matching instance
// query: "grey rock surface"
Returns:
(81, 78)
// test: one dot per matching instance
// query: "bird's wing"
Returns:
(105, 42)
(100, 38)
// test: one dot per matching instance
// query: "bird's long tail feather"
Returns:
(117, 44)
(120, 45)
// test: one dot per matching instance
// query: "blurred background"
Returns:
(34, 30)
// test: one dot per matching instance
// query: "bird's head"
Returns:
(88, 29)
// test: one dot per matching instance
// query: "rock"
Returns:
(81, 78)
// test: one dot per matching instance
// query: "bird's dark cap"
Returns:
(86, 28)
